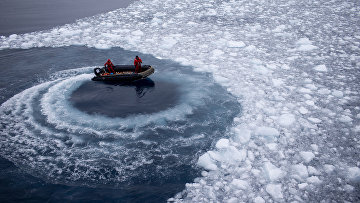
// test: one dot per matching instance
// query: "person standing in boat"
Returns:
(137, 64)
(110, 66)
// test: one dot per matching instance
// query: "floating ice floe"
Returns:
(286, 120)
(272, 172)
(300, 172)
(320, 68)
(307, 156)
(274, 67)
(354, 174)
(275, 191)
(304, 44)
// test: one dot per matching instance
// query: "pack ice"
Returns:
(293, 65)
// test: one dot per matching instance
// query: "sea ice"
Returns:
(232, 200)
(329, 168)
(349, 188)
(303, 41)
(307, 156)
(217, 52)
(232, 41)
(345, 119)
(310, 103)
(229, 155)
(279, 28)
(275, 191)
(305, 90)
(314, 147)
(304, 44)
(273, 173)
(206, 162)
(314, 180)
(314, 120)
(236, 44)
(259, 200)
(320, 68)
(240, 184)
(311, 86)
(306, 47)
(277, 82)
(13, 37)
(354, 174)
(272, 146)
(313, 171)
(241, 135)
(357, 128)
(337, 93)
(303, 110)
(286, 120)
(250, 48)
(168, 42)
(302, 185)
(222, 143)
(300, 172)
(268, 133)
(324, 91)
(137, 33)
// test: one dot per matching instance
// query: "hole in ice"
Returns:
(123, 99)
(178, 114)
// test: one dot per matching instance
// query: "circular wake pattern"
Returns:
(44, 132)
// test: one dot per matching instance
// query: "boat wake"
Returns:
(43, 132)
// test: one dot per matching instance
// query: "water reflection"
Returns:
(142, 87)
(120, 99)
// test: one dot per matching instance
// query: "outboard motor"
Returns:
(98, 71)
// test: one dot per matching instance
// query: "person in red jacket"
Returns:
(110, 66)
(137, 64)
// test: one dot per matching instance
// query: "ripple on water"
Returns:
(74, 131)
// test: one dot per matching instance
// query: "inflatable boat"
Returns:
(123, 73)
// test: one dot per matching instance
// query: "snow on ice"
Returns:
(293, 66)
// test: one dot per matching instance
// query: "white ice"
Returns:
(286, 119)
(273, 173)
(300, 172)
(320, 68)
(354, 174)
(292, 66)
(275, 191)
(307, 156)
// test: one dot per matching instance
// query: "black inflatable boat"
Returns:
(123, 73)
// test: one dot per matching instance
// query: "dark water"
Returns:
(167, 121)
(64, 137)
(22, 16)
(16, 185)
(124, 99)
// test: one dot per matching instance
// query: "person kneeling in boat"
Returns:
(137, 64)
(110, 66)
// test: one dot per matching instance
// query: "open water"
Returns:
(65, 137)
(290, 65)
(19, 16)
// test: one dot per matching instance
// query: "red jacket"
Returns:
(137, 62)
(109, 64)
